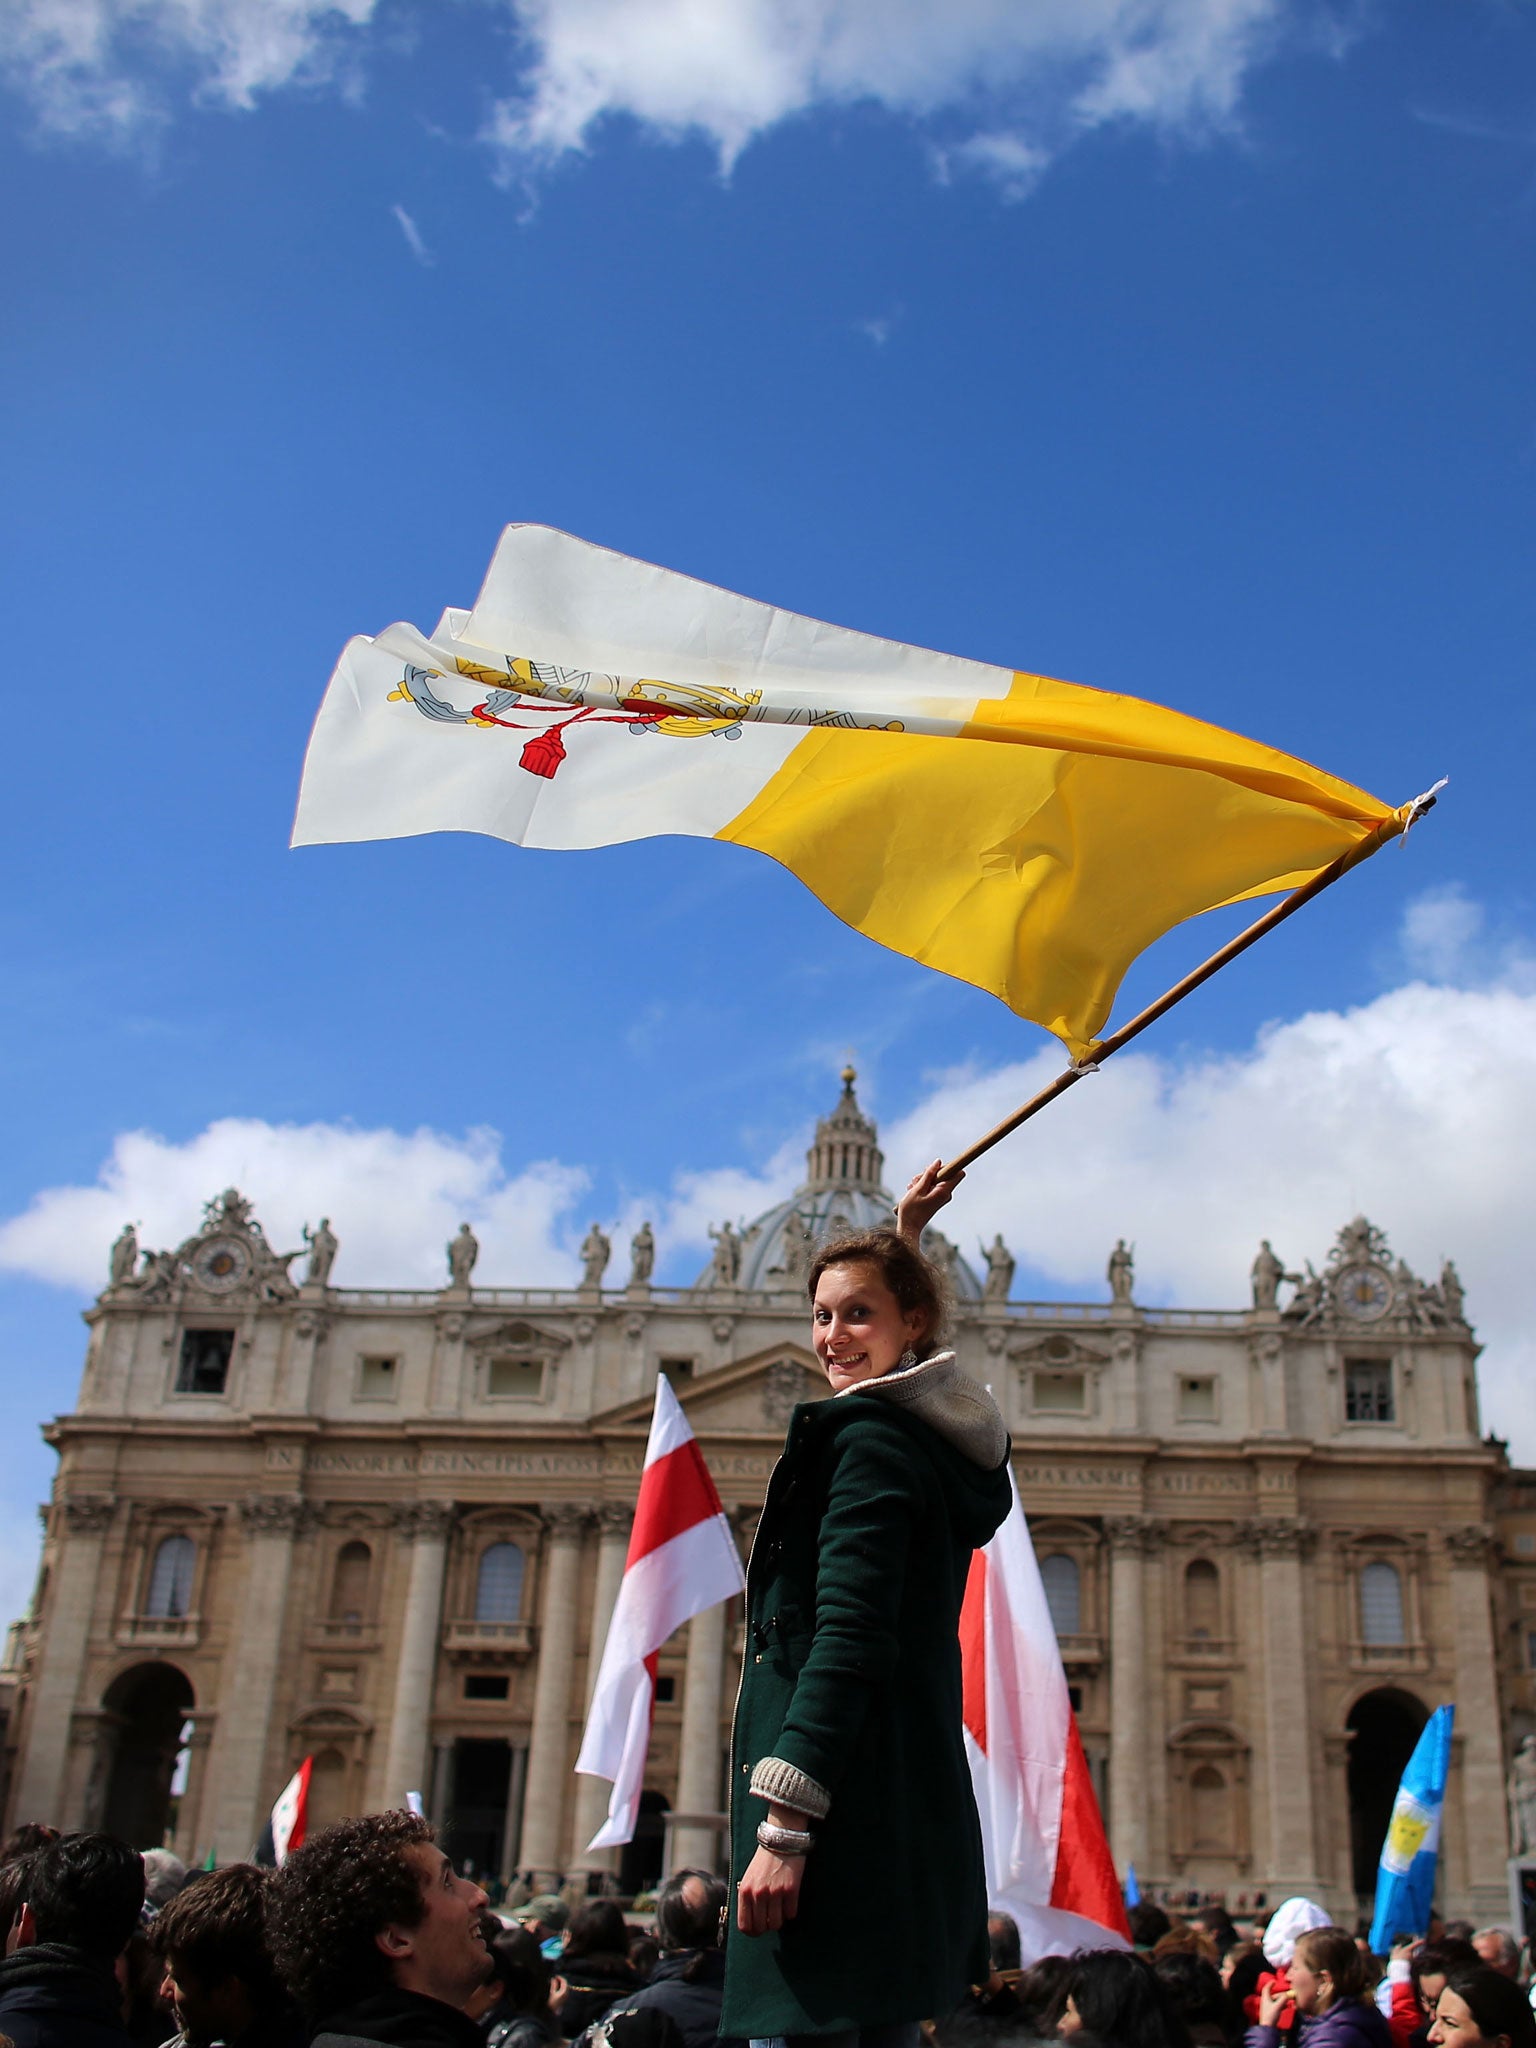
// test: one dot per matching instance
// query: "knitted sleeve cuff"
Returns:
(782, 1785)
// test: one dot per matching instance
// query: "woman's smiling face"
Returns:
(857, 1325)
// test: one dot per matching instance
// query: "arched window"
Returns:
(349, 1587)
(170, 1579)
(1381, 1605)
(1063, 1584)
(1210, 1820)
(1202, 1600)
(499, 1587)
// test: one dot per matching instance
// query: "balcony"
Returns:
(157, 1632)
(343, 1635)
(488, 1642)
(1080, 1652)
(1389, 1656)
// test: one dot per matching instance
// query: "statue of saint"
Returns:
(1000, 1269)
(1266, 1274)
(642, 1256)
(463, 1251)
(1306, 1304)
(596, 1251)
(124, 1257)
(1451, 1293)
(1522, 1799)
(725, 1270)
(795, 1252)
(1121, 1272)
(322, 1253)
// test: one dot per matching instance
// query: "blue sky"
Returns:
(1183, 350)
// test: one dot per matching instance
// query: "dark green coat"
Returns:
(852, 1675)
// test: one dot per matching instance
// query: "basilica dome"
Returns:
(844, 1189)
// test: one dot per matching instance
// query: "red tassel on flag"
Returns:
(544, 753)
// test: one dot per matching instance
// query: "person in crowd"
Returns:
(25, 1840)
(1195, 1990)
(1219, 1925)
(689, 1979)
(546, 1916)
(1185, 1939)
(1416, 1973)
(1499, 1950)
(594, 1969)
(1291, 1919)
(1241, 1969)
(1042, 1993)
(848, 1748)
(629, 2027)
(1482, 2008)
(378, 1937)
(164, 1876)
(1003, 1944)
(518, 2015)
(217, 1967)
(1115, 1996)
(1148, 1923)
(1454, 1930)
(1325, 1988)
(78, 1903)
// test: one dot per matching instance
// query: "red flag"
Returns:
(682, 1559)
(1048, 1860)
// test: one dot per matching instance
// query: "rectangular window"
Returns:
(1530, 1648)
(377, 1379)
(1060, 1393)
(510, 1377)
(1525, 1544)
(1197, 1400)
(676, 1369)
(485, 1685)
(204, 1363)
(666, 1690)
(1368, 1390)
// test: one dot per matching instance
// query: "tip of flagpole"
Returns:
(1422, 805)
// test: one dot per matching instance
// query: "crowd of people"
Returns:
(368, 1934)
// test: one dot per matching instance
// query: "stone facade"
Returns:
(385, 1528)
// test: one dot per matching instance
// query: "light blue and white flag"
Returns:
(1405, 1884)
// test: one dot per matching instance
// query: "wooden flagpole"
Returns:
(1372, 843)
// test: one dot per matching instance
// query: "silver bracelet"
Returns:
(785, 1841)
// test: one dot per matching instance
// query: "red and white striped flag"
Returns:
(290, 1814)
(1048, 1860)
(682, 1559)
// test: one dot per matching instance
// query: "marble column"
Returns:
(1484, 1809)
(614, 1522)
(1129, 1537)
(1293, 1863)
(243, 1786)
(549, 1759)
(695, 1842)
(79, 1522)
(425, 1526)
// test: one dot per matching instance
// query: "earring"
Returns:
(907, 1360)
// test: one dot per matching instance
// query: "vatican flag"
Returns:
(1027, 835)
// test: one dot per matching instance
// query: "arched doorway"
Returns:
(149, 1705)
(640, 1859)
(1383, 1726)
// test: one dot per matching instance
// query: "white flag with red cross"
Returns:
(682, 1559)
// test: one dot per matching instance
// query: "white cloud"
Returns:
(1002, 86)
(394, 1198)
(96, 66)
(413, 240)
(730, 69)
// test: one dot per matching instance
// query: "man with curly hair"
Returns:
(377, 1937)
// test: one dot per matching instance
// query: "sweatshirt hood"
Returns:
(938, 1391)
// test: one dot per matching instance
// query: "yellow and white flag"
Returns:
(1027, 835)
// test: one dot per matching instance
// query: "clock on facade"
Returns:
(1364, 1292)
(221, 1263)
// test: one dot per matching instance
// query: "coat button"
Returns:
(758, 1659)
(746, 1770)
